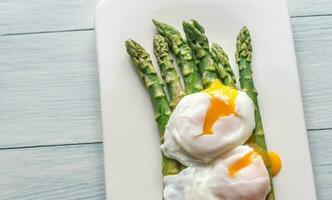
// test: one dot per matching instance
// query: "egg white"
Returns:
(183, 140)
(212, 181)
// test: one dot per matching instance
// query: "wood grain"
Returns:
(309, 7)
(321, 151)
(313, 41)
(49, 89)
(50, 93)
(50, 96)
(76, 172)
(28, 16)
(52, 173)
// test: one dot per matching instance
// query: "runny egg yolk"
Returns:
(275, 163)
(242, 163)
(271, 159)
(248, 159)
(218, 108)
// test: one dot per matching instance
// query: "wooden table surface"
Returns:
(50, 122)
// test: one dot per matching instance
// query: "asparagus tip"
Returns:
(155, 22)
(158, 25)
(243, 45)
(244, 29)
(216, 48)
(186, 25)
(190, 22)
(244, 33)
(157, 37)
(193, 30)
(129, 43)
(134, 49)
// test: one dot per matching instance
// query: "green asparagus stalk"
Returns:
(222, 65)
(141, 59)
(199, 43)
(183, 55)
(243, 59)
(168, 71)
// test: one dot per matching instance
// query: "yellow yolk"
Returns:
(242, 163)
(246, 160)
(271, 159)
(218, 108)
(275, 163)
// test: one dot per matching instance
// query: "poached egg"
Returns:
(206, 124)
(206, 132)
(236, 175)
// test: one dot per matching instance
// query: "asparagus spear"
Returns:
(199, 43)
(243, 59)
(183, 56)
(141, 59)
(168, 72)
(222, 64)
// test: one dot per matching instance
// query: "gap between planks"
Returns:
(82, 42)
(100, 142)
(308, 16)
(45, 32)
(51, 145)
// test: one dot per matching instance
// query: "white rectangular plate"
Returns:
(132, 156)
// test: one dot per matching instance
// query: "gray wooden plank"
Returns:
(53, 173)
(309, 7)
(50, 94)
(323, 177)
(76, 172)
(21, 16)
(49, 89)
(321, 151)
(24, 16)
(313, 41)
